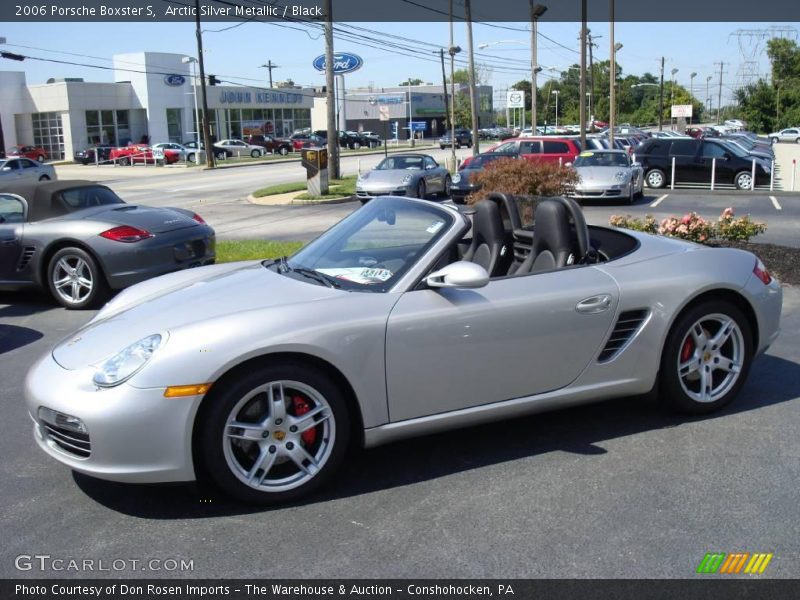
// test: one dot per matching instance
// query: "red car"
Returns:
(32, 152)
(126, 155)
(545, 149)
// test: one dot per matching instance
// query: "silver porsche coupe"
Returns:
(607, 175)
(405, 318)
(415, 175)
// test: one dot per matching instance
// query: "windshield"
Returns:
(413, 163)
(369, 250)
(601, 159)
(88, 197)
(484, 159)
(735, 148)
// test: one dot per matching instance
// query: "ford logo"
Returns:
(343, 62)
(174, 80)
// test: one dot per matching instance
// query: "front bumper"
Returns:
(134, 435)
(374, 192)
(600, 192)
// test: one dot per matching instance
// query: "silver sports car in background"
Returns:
(14, 171)
(415, 175)
(261, 374)
(79, 240)
(607, 175)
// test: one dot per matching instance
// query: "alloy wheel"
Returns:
(711, 358)
(279, 436)
(72, 279)
(744, 181)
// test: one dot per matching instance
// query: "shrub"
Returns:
(521, 177)
(738, 230)
(694, 227)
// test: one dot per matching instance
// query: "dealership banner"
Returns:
(400, 589)
(779, 11)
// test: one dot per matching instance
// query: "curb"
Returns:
(344, 200)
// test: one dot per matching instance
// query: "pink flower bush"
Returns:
(695, 228)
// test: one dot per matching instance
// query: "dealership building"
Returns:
(152, 98)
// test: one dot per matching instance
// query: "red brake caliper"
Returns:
(301, 407)
(686, 351)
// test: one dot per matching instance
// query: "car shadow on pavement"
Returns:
(575, 430)
(13, 337)
(24, 304)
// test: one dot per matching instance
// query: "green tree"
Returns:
(411, 81)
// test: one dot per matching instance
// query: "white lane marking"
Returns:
(775, 202)
(658, 201)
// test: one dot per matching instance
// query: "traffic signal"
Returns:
(212, 80)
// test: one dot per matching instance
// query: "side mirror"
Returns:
(459, 274)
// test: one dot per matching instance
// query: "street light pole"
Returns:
(193, 62)
(453, 50)
(691, 94)
(206, 132)
(612, 76)
(537, 10)
(556, 92)
(708, 93)
(582, 95)
(473, 100)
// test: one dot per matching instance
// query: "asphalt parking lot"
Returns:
(619, 489)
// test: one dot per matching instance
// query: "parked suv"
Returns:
(693, 162)
(463, 138)
(271, 144)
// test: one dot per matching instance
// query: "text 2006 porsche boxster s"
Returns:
(405, 318)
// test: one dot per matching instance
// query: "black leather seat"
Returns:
(488, 237)
(552, 245)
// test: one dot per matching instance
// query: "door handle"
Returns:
(594, 304)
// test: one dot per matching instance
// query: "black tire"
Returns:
(283, 150)
(255, 154)
(659, 178)
(217, 450)
(742, 180)
(421, 191)
(190, 157)
(631, 196)
(44, 178)
(680, 349)
(775, 140)
(448, 183)
(440, 146)
(76, 258)
(124, 161)
(356, 145)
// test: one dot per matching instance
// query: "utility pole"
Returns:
(661, 99)
(452, 51)
(719, 97)
(269, 66)
(473, 101)
(537, 10)
(444, 87)
(333, 138)
(591, 69)
(612, 72)
(209, 148)
(582, 99)
(708, 94)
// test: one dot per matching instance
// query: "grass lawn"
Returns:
(337, 188)
(233, 250)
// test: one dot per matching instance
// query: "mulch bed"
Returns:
(782, 261)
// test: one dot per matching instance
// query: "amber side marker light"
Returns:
(177, 391)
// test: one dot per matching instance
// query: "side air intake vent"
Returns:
(628, 324)
(25, 257)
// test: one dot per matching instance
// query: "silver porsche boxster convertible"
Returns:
(405, 318)
(415, 175)
(607, 175)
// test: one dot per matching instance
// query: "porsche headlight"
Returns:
(406, 179)
(363, 177)
(620, 176)
(127, 362)
(456, 178)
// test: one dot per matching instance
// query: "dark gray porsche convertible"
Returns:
(79, 240)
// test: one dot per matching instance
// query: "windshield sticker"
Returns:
(435, 226)
(360, 274)
(587, 154)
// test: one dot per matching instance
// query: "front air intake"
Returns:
(628, 324)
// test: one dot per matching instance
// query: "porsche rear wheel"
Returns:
(75, 279)
(706, 358)
(275, 434)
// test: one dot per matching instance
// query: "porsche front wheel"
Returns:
(706, 358)
(276, 434)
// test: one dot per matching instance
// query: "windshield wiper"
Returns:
(328, 280)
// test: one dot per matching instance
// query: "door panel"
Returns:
(456, 348)
(10, 246)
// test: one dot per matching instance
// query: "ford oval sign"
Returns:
(343, 62)
(174, 80)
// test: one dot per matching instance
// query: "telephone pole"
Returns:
(473, 102)
(452, 51)
(209, 148)
(661, 98)
(333, 138)
(269, 66)
(719, 97)
(444, 86)
(591, 43)
(612, 71)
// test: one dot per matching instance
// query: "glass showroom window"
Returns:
(212, 124)
(107, 127)
(174, 127)
(302, 118)
(48, 133)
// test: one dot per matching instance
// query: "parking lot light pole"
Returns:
(708, 94)
(555, 93)
(537, 10)
(691, 94)
(672, 97)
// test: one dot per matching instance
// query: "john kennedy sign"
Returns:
(343, 62)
